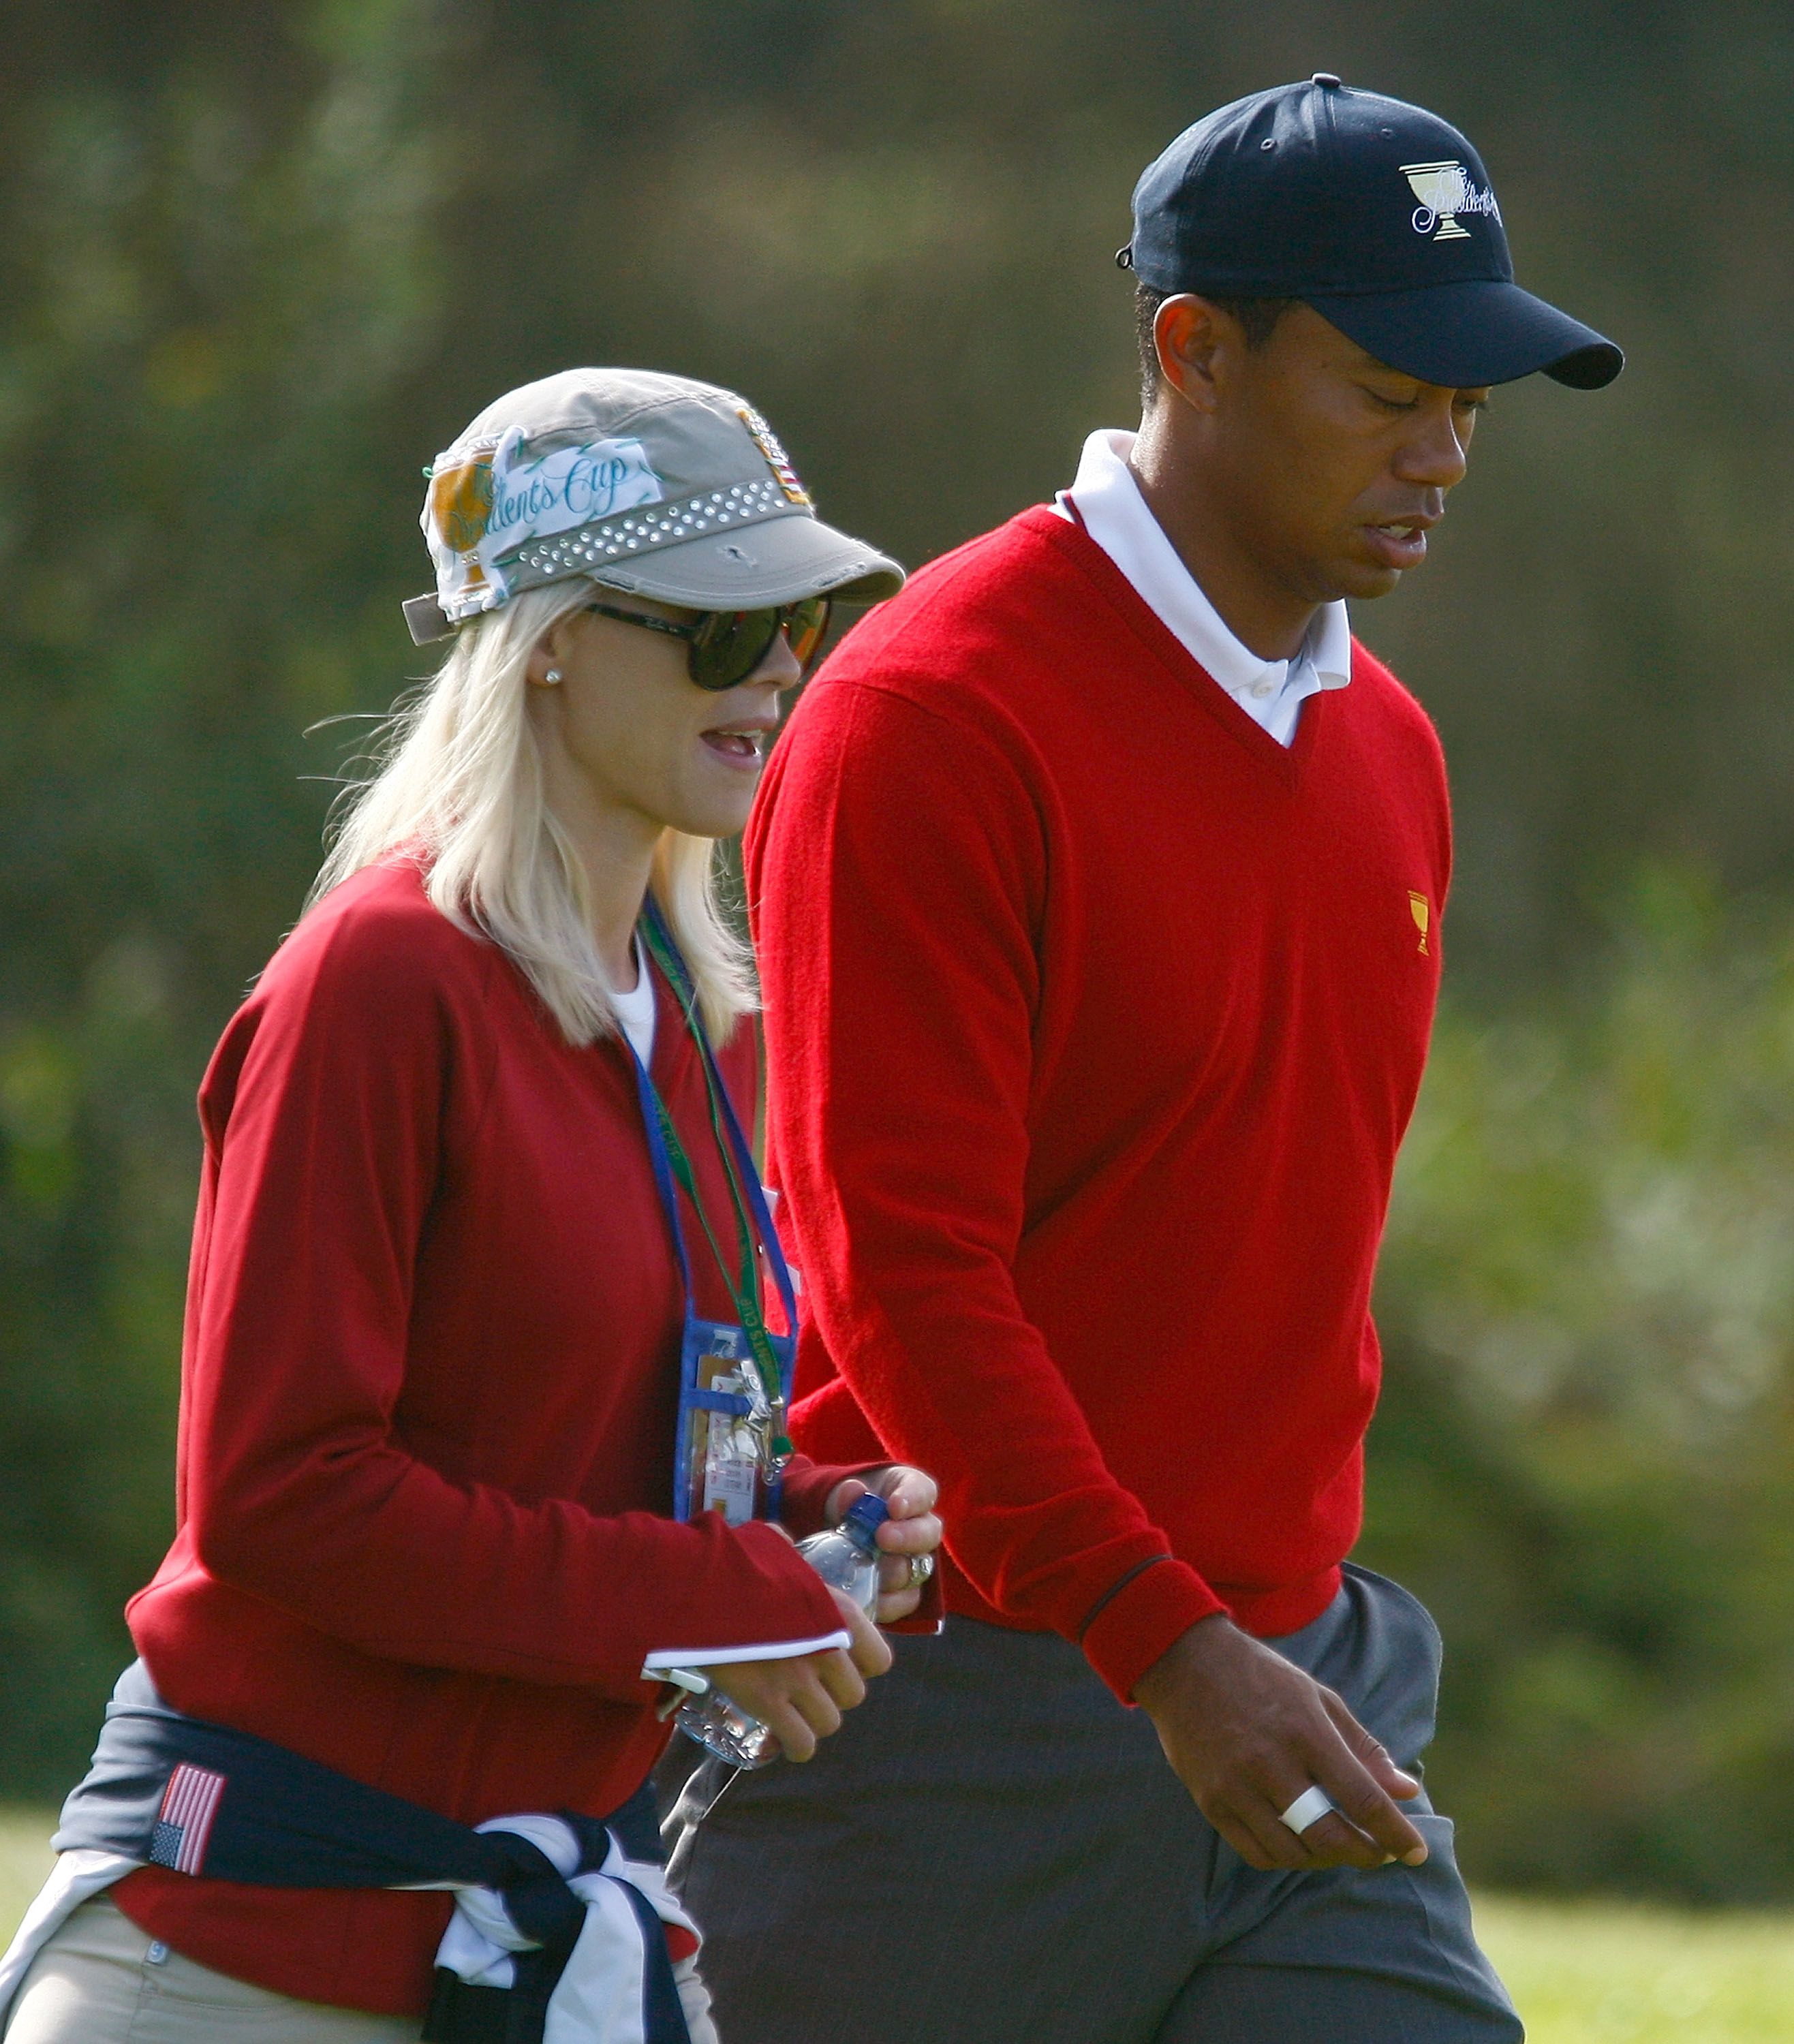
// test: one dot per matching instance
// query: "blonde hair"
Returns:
(457, 786)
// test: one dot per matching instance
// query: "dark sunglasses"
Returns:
(724, 647)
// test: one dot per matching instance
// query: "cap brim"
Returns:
(778, 560)
(775, 560)
(1468, 334)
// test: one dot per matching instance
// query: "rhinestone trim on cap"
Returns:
(651, 526)
(633, 534)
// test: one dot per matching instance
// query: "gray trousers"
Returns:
(993, 1850)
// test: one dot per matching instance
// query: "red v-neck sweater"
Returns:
(1094, 1020)
(426, 1413)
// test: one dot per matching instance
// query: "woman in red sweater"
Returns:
(474, 1226)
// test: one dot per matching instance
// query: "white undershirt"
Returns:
(1119, 519)
(634, 1009)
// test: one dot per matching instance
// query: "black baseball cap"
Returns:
(1378, 214)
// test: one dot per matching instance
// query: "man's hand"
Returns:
(912, 1529)
(800, 1700)
(1247, 1732)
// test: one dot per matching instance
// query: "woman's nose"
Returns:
(779, 668)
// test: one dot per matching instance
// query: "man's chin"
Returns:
(1359, 581)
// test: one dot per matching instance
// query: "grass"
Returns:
(1583, 1973)
(24, 1859)
(1605, 1972)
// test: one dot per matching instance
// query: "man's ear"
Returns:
(1195, 341)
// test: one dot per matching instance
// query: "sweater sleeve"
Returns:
(808, 1486)
(897, 872)
(325, 1110)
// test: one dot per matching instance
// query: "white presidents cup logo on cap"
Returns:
(1445, 190)
(485, 501)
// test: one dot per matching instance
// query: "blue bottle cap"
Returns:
(862, 1519)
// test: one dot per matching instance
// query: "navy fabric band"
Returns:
(282, 1821)
(260, 1814)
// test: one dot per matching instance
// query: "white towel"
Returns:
(598, 1999)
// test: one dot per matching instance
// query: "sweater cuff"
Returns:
(812, 1611)
(664, 1658)
(1140, 1620)
(808, 1486)
(930, 1615)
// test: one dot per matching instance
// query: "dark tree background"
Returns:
(257, 264)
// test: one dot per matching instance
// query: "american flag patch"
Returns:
(766, 440)
(189, 1805)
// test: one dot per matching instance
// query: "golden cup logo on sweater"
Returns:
(1421, 909)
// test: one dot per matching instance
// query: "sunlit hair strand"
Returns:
(457, 787)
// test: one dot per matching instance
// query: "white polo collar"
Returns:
(1118, 518)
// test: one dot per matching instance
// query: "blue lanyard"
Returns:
(772, 1355)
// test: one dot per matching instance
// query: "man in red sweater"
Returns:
(1097, 884)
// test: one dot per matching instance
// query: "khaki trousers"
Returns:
(101, 1981)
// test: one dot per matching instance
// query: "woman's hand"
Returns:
(913, 1531)
(801, 1699)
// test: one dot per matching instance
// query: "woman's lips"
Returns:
(743, 748)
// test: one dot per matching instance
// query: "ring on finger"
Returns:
(921, 1567)
(1308, 1809)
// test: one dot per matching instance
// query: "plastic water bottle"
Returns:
(847, 1558)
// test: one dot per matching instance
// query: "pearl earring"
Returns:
(553, 675)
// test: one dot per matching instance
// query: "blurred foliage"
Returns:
(257, 264)
(1584, 1460)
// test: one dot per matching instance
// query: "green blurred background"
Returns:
(258, 263)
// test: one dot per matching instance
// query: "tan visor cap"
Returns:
(658, 485)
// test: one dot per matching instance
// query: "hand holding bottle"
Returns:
(909, 1539)
(800, 1701)
(811, 1694)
